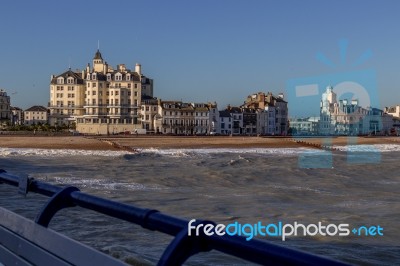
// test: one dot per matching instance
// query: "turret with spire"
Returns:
(98, 65)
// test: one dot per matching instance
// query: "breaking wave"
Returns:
(369, 148)
(7, 152)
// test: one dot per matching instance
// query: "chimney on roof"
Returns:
(138, 69)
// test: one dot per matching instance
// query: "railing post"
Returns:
(184, 246)
(58, 201)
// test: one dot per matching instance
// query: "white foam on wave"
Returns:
(205, 151)
(7, 152)
(369, 148)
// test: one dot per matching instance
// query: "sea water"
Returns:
(223, 185)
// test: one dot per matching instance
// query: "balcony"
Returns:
(66, 106)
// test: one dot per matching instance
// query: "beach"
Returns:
(180, 142)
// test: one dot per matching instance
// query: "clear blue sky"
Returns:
(209, 50)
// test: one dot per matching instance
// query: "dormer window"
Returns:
(128, 77)
(118, 77)
(60, 80)
(70, 80)
(88, 76)
(108, 77)
(94, 76)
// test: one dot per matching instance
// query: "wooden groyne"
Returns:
(116, 145)
(313, 145)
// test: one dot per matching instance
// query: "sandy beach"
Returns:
(54, 142)
(167, 142)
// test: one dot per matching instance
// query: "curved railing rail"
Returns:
(182, 246)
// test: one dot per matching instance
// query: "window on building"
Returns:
(94, 85)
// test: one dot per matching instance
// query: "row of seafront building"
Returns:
(347, 117)
(104, 100)
(16, 116)
(262, 114)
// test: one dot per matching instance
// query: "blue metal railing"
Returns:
(182, 246)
